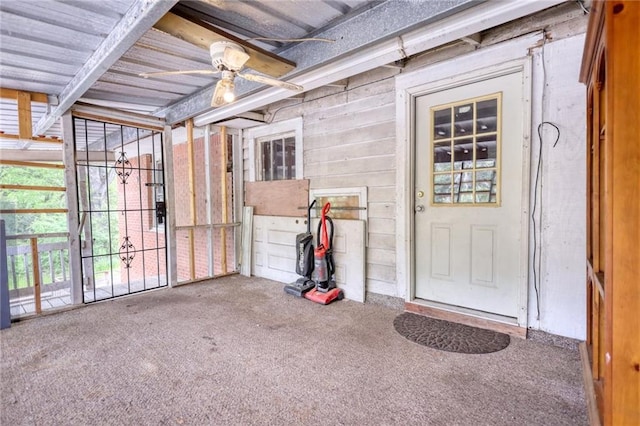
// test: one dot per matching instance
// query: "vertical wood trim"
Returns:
(73, 219)
(589, 185)
(24, 115)
(595, 180)
(589, 393)
(622, 389)
(35, 268)
(237, 192)
(606, 220)
(223, 191)
(209, 198)
(595, 323)
(170, 200)
(192, 198)
(247, 238)
(527, 94)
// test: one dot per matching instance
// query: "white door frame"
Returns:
(494, 61)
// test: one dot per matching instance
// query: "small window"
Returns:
(466, 143)
(278, 158)
(275, 151)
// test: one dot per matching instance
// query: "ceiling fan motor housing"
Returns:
(216, 50)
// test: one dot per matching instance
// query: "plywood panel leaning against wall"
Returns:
(278, 198)
(611, 70)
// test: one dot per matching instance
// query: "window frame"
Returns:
(497, 168)
(281, 129)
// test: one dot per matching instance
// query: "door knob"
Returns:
(419, 208)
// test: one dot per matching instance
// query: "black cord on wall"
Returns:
(536, 256)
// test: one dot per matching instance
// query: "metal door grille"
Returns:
(121, 209)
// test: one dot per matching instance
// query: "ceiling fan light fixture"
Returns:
(224, 92)
(229, 95)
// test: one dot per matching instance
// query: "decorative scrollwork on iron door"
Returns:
(123, 167)
(127, 252)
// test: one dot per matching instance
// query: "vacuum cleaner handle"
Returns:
(323, 239)
(313, 203)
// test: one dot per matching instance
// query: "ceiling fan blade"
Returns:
(234, 59)
(271, 81)
(218, 95)
(195, 31)
(158, 74)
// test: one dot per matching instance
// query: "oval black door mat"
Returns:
(449, 336)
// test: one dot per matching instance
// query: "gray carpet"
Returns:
(449, 336)
(239, 351)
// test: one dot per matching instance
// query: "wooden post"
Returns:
(192, 198)
(24, 115)
(35, 269)
(224, 202)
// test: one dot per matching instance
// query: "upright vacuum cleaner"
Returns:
(304, 260)
(325, 290)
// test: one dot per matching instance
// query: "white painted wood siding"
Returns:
(349, 140)
(274, 251)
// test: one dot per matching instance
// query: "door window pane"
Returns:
(487, 114)
(486, 151)
(442, 120)
(442, 157)
(466, 143)
(463, 124)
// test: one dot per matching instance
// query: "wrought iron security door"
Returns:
(121, 208)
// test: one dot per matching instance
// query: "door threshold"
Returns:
(466, 317)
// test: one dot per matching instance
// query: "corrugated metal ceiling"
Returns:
(158, 51)
(44, 43)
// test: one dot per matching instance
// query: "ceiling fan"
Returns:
(228, 58)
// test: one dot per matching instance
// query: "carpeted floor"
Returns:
(238, 351)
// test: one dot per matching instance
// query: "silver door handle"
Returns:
(419, 208)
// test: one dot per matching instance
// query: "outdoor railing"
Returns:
(38, 267)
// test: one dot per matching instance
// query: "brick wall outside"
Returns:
(139, 222)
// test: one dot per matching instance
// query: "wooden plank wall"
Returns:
(349, 141)
(349, 138)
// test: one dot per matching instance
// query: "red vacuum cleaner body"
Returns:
(325, 290)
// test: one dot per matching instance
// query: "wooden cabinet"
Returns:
(611, 70)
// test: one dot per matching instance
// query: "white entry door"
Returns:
(469, 195)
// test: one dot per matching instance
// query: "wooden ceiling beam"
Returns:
(13, 94)
(191, 29)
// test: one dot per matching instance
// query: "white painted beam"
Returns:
(69, 159)
(454, 27)
(473, 39)
(138, 20)
(170, 203)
